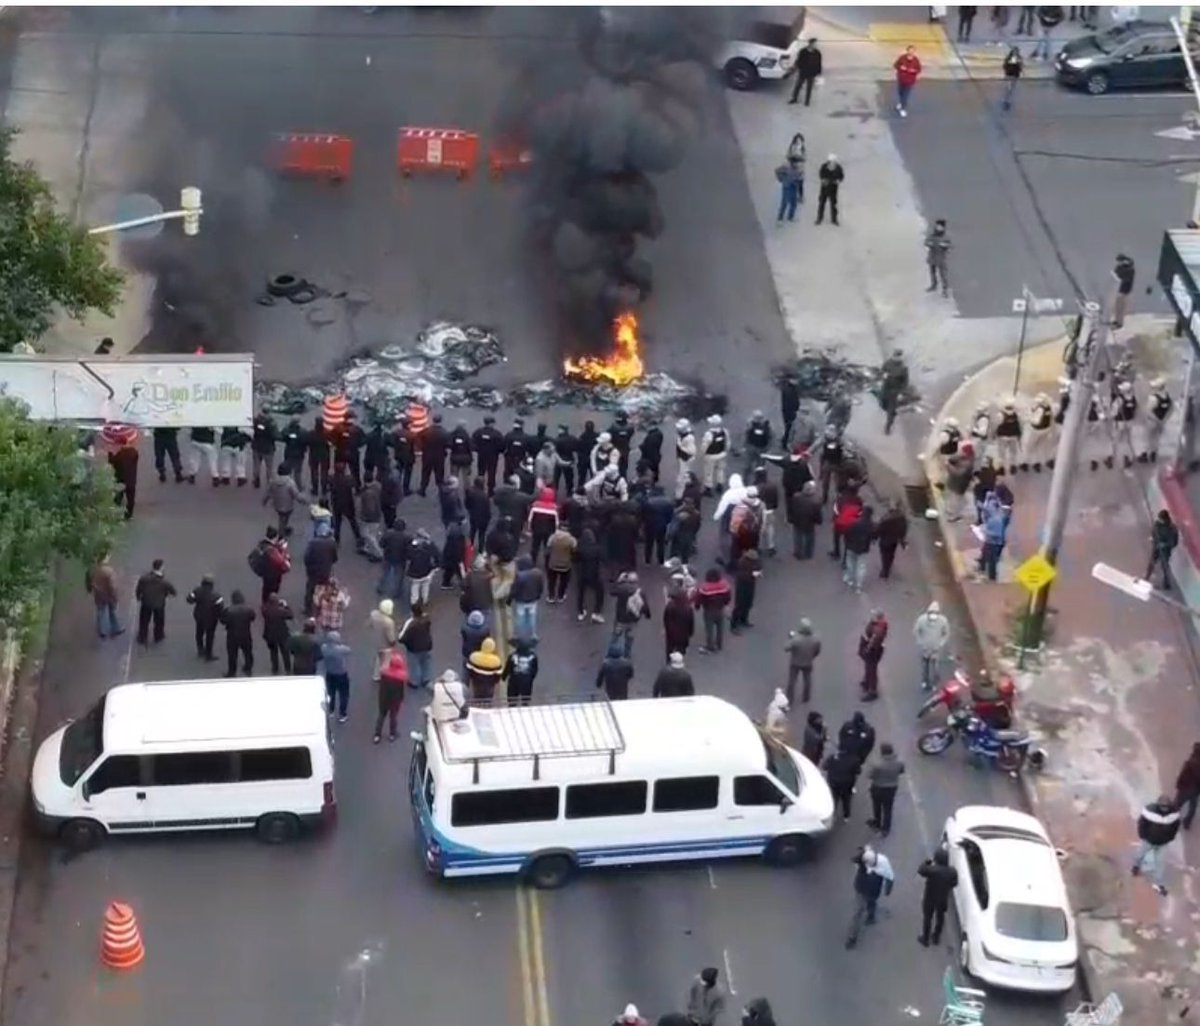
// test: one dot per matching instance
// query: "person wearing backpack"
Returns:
(520, 671)
(269, 560)
(393, 676)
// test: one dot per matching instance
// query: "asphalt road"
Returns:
(1047, 195)
(348, 929)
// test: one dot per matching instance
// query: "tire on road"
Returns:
(284, 286)
(277, 827)
(549, 872)
(1097, 83)
(964, 956)
(740, 74)
(935, 741)
(81, 834)
(789, 849)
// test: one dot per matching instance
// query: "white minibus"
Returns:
(192, 755)
(544, 790)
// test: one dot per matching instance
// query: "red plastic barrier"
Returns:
(313, 155)
(504, 157)
(436, 149)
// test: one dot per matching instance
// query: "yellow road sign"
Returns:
(1035, 573)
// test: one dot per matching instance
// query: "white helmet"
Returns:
(1158, 384)
(1010, 404)
(1125, 387)
(1042, 398)
(604, 438)
(683, 425)
(951, 422)
(714, 420)
(631, 1013)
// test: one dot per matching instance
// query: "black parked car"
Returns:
(1137, 53)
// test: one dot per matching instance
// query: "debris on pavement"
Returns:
(654, 396)
(821, 376)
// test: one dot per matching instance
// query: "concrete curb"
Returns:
(1087, 971)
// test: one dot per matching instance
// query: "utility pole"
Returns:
(1066, 460)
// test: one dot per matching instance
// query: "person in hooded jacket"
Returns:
(706, 999)
(454, 555)
(757, 440)
(524, 596)
(404, 444)
(450, 502)
(584, 445)
(673, 680)
(394, 545)
(237, 617)
(423, 559)
(892, 532)
(295, 444)
(277, 632)
(931, 632)
(416, 635)
(768, 495)
(460, 451)
(657, 512)
(517, 445)
(616, 671)
(1187, 787)
(682, 532)
(841, 773)
(803, 647)
(543, 520)
(1164, 538)
(631, 606)
(940, 880)
(805, 513)
(650, 450)
(858, 536)
(282, 496)
(317, 445)
(483, 671)
(560, 555)
(479, 513)
(857, 737)
(795, 470)
(589, 560)
(477, 588)
(679, 623)
(1157, 826)
(342, 504)
(621, 534)
(846, 510)
(393, 677)
(870, 651)
(304, 649)
(746, 572)
(520, 671)
(474, 629)
(758, 1013)
(723, 514)
(566, 447)
(812, 746)
(207, 604)
(488, 443)
(370, 509)
(376, 459)
(712, 597)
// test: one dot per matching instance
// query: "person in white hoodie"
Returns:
(932, 635)
(714, 451)
(685, 454)
(723, 514)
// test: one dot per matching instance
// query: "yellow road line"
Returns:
(539, 958)
(528, 1008)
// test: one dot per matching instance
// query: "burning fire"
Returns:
(621, 367)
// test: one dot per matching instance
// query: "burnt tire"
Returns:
(741, 75)
(284, 286)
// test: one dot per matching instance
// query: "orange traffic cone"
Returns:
(121, 945)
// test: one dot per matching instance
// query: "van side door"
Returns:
(114, 794)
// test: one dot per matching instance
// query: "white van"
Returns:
(764, 47)
(192, 755)
(544, 790)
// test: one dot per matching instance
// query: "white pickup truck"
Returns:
(765, 48)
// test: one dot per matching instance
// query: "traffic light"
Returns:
(189, 200)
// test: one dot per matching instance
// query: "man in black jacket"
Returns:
(206, 603)
(657, 512)
(479, 513)
(404, 448)
(376, 460)
(565, 447)
(341, 502)
(434, 444)
(651, 450)
(152, 591)
(394, 543)
(262, 449)
(295, 443)
(808, 70)
(277, 615)
(238, 618)
(805, 512)
(487, 443)
(621, 432)
(841, 773)
(940, 880)
(830, 176)
(1157, 826)
(166, 445)
(892, 531)
(673, 680)
(304, 649)
(319, 557)
(316, 441)
(347, 444)
(857, 738)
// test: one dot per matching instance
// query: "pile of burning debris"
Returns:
(821, 377)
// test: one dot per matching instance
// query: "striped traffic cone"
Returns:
(121, 943)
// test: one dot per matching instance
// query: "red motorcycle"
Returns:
(992, 703)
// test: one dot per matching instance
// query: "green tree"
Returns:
(53, 502)
(47, 262)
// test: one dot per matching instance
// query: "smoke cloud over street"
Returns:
(602, 120)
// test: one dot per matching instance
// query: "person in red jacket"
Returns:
(711, 598)
(908, 70)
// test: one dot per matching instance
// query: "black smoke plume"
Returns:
(602, 119)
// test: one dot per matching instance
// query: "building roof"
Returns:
(212, 711)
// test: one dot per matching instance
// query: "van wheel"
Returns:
(788, 850)
(549, 872)
(740, 74)
(81, 834)
(278, 828)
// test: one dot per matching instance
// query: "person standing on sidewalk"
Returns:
(152, 591)
(870, 651)
(830, 176)
(207, 604)
(940, 880)
(884, 776)
(937, 257)
(931, 632)
(803, 647)
(1164, 536)
(873, 879)
(966, 18)
(706, 998)
(1157, 826)
(101, 582)
(808, 71)
(908, 70)
(1014, 68)
(1187, 787)
(1049, 18)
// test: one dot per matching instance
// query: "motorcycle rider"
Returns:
(932, 635)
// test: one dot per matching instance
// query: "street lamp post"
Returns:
(1136, 587)
(190, 209)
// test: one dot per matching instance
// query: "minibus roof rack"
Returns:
(548, 730)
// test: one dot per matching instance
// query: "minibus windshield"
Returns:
(781, 766)
(82, 744)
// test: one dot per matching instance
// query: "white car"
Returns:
(1018, 931)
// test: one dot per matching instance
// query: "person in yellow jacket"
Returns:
(483, 670)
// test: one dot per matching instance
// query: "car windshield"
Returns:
(1043, 923)
(1113, 38)
(781, 766)
(82, 743)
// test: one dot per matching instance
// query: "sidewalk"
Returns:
(1113, 702)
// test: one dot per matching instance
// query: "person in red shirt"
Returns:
(908, 70)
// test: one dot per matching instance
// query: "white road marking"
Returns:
(712, 878)
(729, 974)
(131, 631)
